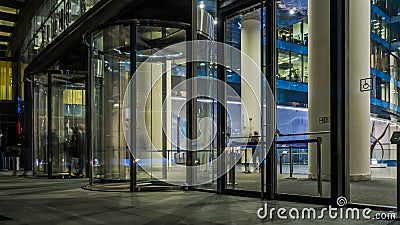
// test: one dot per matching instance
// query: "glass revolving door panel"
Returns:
(40, 123)
(68, 124)
(128, 122)
(59, 123)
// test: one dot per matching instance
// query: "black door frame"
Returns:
(223, 14)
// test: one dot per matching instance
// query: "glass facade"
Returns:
(384, 71)
(303, 149)
(301, 157)
(50, 21)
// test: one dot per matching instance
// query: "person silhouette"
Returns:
(254, 141)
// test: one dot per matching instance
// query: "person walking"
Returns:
(254, 140)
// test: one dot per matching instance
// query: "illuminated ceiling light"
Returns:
(201, 5)
(216, 21)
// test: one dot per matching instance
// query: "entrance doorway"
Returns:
(59, 118)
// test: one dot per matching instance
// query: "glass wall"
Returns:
(303, 160)
(380, 171)
(384, 72)
(294, 97)
(206, 107)
(248, 114)
(303, 110)
(245, 175)
(111, 75)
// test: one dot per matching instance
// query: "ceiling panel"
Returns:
(9, 15)
(6, 29)
(15, 4)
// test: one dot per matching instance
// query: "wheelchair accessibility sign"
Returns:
(366, 85)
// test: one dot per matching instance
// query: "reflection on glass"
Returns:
(296, 156)
(111, 77)
(244, 123)
(68, 148)
(40, 122)
(384, 108)
(66, 154)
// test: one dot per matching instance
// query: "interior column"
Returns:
(359, 102)
(251, 76)
(149, 92)
(319, 84)
(358, 105)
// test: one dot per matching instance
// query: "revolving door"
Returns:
(59, 123)
(127, 54)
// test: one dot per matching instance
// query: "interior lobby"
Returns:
(198, 105)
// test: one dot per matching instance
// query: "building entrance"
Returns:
(59, 117)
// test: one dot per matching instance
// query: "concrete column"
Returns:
(149, 95)
(359, 102)
(319, 83)
(358, 110)
(251, 77)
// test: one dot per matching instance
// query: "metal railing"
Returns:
(318, 141)
(290, 144)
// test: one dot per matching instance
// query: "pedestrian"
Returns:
(254, 141)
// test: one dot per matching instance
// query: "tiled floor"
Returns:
(42, 201)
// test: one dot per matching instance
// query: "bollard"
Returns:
(291, 163)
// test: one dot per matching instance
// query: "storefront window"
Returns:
(6, 82)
